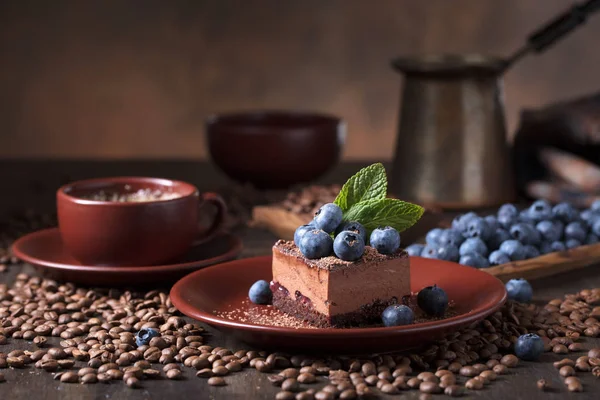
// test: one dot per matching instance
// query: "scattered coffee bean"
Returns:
(349, 394)
(560, 349)
(290, 385)
(430, 387)
(563, 362)
(321, 395)
(69, 377)
(542, 384)
(284, 395)
(575, 387)
(488, 375)
(574, 347)
(413, 383)
(509, 360)
(133, 382)
(306, 378)
(89, 378)
(454, 391)
(567, 370)
(474, 384)
(174, 374)
(468, 371)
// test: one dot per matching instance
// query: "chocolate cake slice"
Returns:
(330, 292)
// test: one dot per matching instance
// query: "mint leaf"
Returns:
(369, 183)
(373, 214)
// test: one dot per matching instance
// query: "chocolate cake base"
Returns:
(302, 310)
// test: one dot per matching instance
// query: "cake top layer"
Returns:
(330, 263)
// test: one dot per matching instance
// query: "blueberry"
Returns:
(433, 236)
(415, 249)
(460, 222)
(540, 210)
(596, 227)
(546, 247)
(474, 260)
(316, 244)
(397, 314)
(508, 209)
(531, 251)
(514, 249)
(564, 212)
(572, 243)
(549, 230)
(448, 253)
(328, 217)
(524, 216)
(385, 240)
(576, 230)
(558, 246)
(433, 300)
(498, 257)
(525, 233)
(477, 227)
(591, 239)
(348, 246)
(587, 215)
(352, 226)
(501, 235)
(519, 290)
(506, 220)
(473, 245)
(595, 206)
(260, 292)
(144, 335)
(450, 236)
(429, 251)
(300, 231)
(492, 222)
(529, 347)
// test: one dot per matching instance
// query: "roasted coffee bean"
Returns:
(306, 378)
(283, 395)
(560, 349)
(133, 382)
(542, 384)
(103, 378)
(488, 375)
(69, 377)
(371, 380)
(290, 385)
(216, 381)
(413, 383)
(468, 371)
(563, 362)
(454, 391)
(474, 384)
(567, 370)
(85, 371)
(430, 387)
(276, 380)
(509, 361)
(220, 371)
(290, 373)
(89, 378)
(349, 394)
(173, 374)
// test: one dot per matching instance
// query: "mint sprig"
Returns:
(369, 183)
(363, 199)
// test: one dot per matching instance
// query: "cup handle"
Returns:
(219, 220)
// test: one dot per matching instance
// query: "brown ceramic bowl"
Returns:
(218, 296)
(132, 233)
(275, 149)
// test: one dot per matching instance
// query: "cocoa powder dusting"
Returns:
(330, 263)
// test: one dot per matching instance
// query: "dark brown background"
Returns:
(136, 78)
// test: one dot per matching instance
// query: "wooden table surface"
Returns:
(34, 182)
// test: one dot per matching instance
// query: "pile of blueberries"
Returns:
(511, 235)
(314, 239)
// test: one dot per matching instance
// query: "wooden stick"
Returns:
(549, 264)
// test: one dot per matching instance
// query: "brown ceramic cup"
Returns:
(133, 233)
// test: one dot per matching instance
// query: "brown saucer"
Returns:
(44, 250)
(208, 294)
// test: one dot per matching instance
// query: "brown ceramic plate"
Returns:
(211, 292)
(44, 250)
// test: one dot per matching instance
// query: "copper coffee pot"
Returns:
(452, 150)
